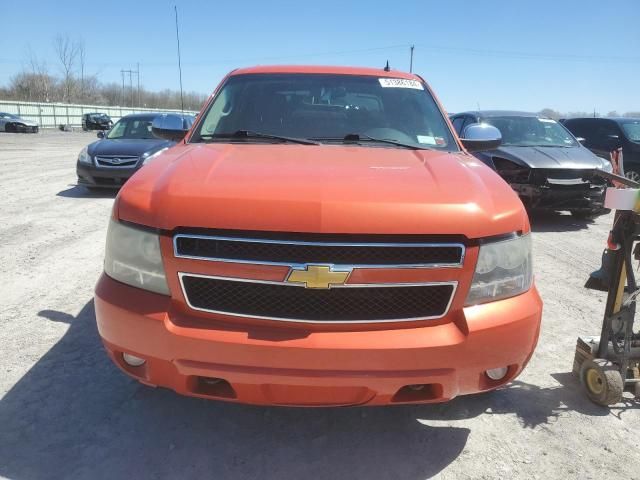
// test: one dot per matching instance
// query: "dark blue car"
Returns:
(124, 149)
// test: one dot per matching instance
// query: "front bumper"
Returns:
(306, 367)
(93, 176)
(557, 189)
(21, 128)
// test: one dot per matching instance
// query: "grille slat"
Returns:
(344, 304)
(257, 251)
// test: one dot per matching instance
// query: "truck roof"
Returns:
(374, 72)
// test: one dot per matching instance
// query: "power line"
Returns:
(530, 55)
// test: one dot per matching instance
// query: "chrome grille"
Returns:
(116, 161)
(288, 252)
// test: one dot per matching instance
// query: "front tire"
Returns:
(602, 381)
(633, 174)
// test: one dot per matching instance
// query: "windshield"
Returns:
(531, 132)
(632, 130)
(132, 128)
(98, 116)
(326, 108)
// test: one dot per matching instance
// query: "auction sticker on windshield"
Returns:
(400, 83)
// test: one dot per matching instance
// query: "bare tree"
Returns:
(41, 82)
(548, 112)
(67, 52)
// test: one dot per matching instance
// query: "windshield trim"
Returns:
(455, 146)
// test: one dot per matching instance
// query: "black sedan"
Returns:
(109, 162)
(96, 121)
(542, 161)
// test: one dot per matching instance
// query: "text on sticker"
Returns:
(400, 83)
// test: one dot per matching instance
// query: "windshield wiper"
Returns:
(252, 134)
(359, 137)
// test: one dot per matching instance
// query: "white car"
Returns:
(13, 123)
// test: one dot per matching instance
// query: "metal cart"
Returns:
(609, 364)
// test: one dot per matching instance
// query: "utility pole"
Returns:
(122, 96)
(138, 77)
(131, 73)
(411, 60)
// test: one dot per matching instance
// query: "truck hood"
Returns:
(321, 189)
(549, 157)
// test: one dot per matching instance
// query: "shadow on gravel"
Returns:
(557, 222)
(75, 415)
(78, 191)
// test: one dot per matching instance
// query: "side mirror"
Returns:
(170, 126)
(581, 140)
(101, 134)
(481, 136)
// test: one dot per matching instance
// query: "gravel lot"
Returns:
(66, 412)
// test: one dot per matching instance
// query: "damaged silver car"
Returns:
(542, 161)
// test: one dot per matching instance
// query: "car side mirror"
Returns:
(480, 136)
(100, 134)
(170, 126)
(581, 140)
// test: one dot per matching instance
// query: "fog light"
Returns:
(497, 373)
(132, 360)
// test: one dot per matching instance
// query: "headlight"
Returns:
(606, 166)
(503, 270)
(133, 257)
(147, 158)
(84, 157)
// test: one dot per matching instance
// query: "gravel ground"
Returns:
(66, 412)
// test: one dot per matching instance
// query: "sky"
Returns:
(569, 55)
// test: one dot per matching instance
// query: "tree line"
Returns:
(550, 113)
(71, 83)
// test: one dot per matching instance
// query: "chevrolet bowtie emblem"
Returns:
(317, 276)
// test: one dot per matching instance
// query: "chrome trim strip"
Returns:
(321, 244)
(328, 322)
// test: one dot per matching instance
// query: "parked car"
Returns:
(603, 135)
(96, 121)
(13, 123)
(122, 151)
(319, 237)
(542, 161)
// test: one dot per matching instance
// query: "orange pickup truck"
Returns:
(320, 236)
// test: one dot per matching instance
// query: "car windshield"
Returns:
(632, 130)
(139, 128)
(531, 132)
(326, 108)
(99, 116)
